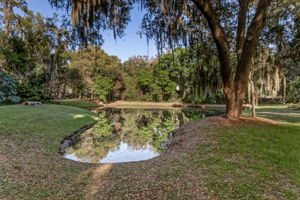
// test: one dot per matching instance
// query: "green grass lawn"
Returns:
(30, 137)
(261, 162)
(278, 113)
(258, 162)
(232, 162)
(76, 103)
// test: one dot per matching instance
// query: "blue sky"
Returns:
(130, 45)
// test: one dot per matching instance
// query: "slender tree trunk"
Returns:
(183, 93)
(253, 98)
(7, 10)
(276, 82)
(284, 89)
(249, 93)
(59, 92)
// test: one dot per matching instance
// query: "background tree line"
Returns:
(38, 62)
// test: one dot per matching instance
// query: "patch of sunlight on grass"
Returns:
(78, 116)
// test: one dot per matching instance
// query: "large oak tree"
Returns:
(246, 43)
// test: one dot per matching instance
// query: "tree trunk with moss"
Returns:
(246, 43)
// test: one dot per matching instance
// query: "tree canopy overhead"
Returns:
(90, 17)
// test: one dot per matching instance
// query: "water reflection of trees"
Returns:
(152, 127)
(138, 128)
(94, 144)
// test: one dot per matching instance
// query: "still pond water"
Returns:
(127, 135)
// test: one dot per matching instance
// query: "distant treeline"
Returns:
(38, 63)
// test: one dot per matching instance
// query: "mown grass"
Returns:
(278, 113)
(30, 137)
(257, 162)
(235, 162)
(76, 103)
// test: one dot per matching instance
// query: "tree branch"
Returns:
(251, 42)
(240, 35)
(219, 37)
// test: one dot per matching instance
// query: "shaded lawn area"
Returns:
(278, 113)
(89, 105)
(205, 161)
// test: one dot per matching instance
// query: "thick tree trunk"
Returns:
(246, 45)
(231, 103)
(234, 101)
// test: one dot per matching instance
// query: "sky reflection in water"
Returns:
(127, 135)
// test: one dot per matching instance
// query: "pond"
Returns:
(127, 135)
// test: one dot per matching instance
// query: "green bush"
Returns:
(103, 88)
(294, 92)
(33, 89)
(145, 97)
(8, 92)
(131, 91)
(217, 98)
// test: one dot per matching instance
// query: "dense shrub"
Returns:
(294, 92)
(102, 88)
(33, 89)
(131, 91)
(8, 92)
(145, 97)
(218, 98)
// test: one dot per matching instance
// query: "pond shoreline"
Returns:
(68, 141)
(124, 103)
(159, 104)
